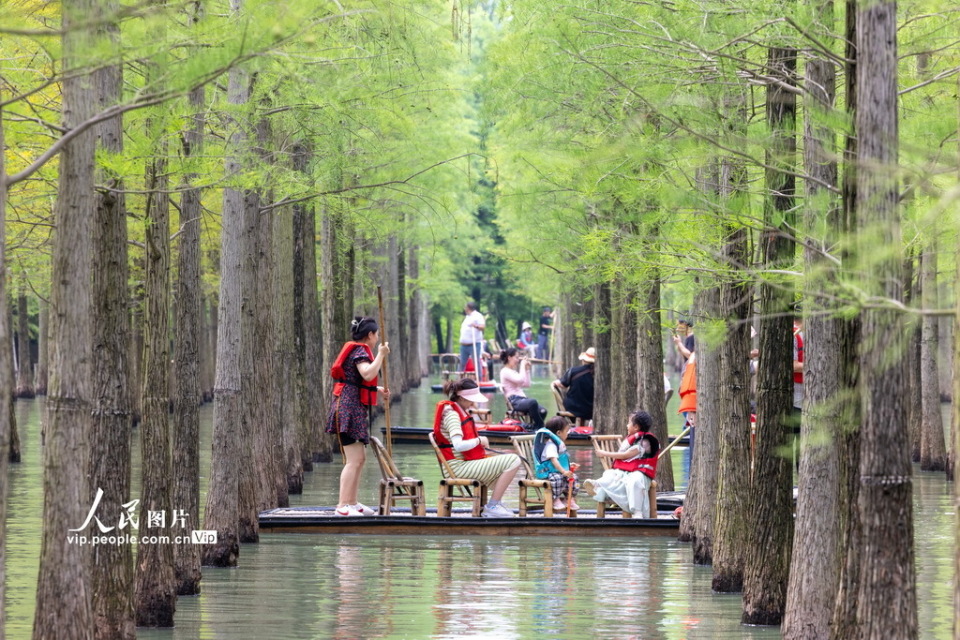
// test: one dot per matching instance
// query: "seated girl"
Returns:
(634, 468)
(514, 378)
(552, 463)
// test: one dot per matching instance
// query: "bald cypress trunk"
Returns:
(886, 598)
(43, 322)
(63, 607)
(186, 352)
(649, 356)
(933, 447)
(6, 400)
(110, 444)
(25, 388)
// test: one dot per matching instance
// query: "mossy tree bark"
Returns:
(649, 357)
(43, 322)
(63, 606)
(6, 400)
(605, 420)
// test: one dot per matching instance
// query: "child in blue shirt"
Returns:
(552, 463)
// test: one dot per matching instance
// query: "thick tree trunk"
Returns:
(6, 400)
(303, 388)
(63, 608)
(209, 360)
(110, 443)
(156, 595)
(815, 560)
(770, 533)
(222, 509)
(25, 388)
(189, 337)
(933, 449)
(913, 394)
(886, 597)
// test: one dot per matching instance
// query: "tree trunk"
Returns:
(770, 532)
(285, 360)
(886, 597)
(43, 341)
(110, 443)
(210, 341)
(314, 342)
(815, 571)
(933, 449)
(189, 337)
(6, 382)
(913, 394)
(63, 607)
(302, 387)
(156, 594)
(222, 510)
(649, 358)
(25, 388)
(605, 420)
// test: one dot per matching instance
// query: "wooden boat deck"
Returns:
(418, 435)
(461, 523)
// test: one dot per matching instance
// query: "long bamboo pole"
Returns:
(674, 443)
(383, 371)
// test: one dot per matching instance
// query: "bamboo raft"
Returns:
(418, 435)
(460, 523)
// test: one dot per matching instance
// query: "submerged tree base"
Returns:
(727, 583)
(222, 554)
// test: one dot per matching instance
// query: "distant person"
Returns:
(578, 381)
(551, 462)
(634, 468)
(688, 397)
(544, 334)
(683, 338)
(526, 342)
(514, 378)
(355, 392)
(466, 451)
(471, 335)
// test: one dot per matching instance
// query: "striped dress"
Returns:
(486, 470)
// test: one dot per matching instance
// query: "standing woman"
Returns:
(514, 378)
(354, 394)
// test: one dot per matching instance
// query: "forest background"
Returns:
(199, 195)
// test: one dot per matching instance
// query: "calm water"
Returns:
(320, 586)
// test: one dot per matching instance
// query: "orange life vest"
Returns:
(798, 343)
(688, 389)
(368, 391)
(647, 466)
(469, 432)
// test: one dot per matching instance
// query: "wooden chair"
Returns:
(522, 416)
(611, 443)
(559, 395)
(482, 416)
(395, 486)
(541, 494)
(454, 489)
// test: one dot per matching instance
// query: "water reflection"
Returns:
(312, 586)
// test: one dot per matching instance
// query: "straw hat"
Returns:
(588, 356)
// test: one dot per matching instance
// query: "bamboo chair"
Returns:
(454, 489)
(482, 415)
(541, 494)
(395, 486)
(611, 443)
(559, 395)
(522, 416)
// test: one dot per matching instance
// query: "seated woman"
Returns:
(552, 463)
(634, 468)
(465, 451)
(514, 378)
(526, 343)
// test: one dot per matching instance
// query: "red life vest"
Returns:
(647, 466)
(469, 432)
(798, 343)
(368, 391)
